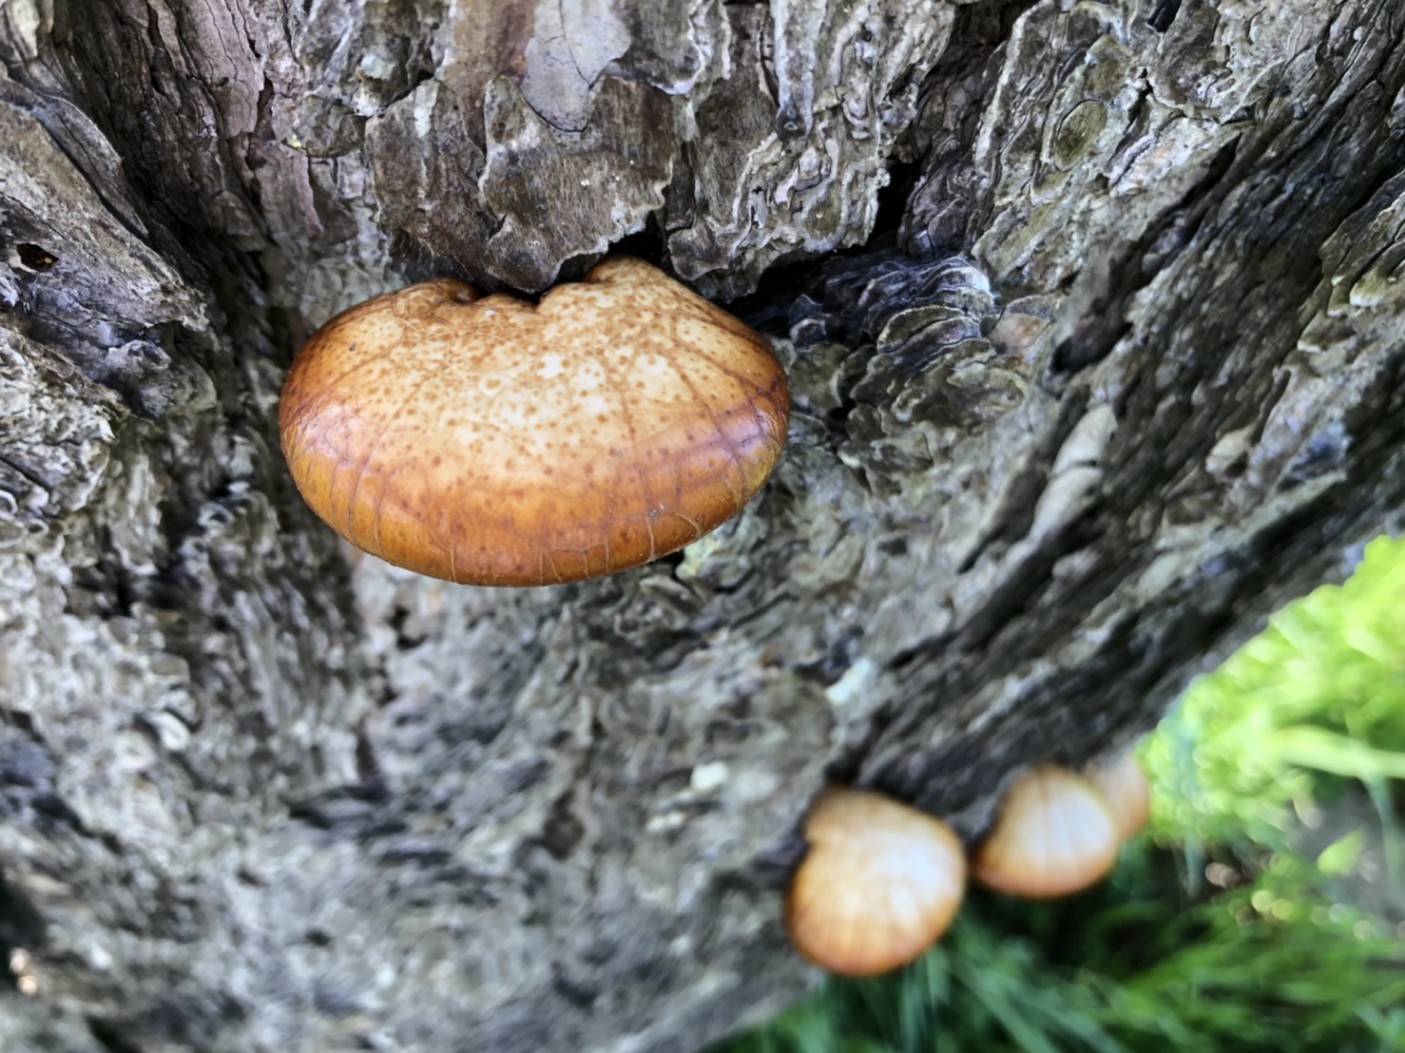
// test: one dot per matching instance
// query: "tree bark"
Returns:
(1096, 336)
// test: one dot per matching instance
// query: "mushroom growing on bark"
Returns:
(1125, 790)
(488, 440)
(1055, 836)
(880, 884)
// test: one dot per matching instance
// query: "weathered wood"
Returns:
(1118, 368)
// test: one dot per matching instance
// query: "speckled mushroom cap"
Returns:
(880, 884)
(493, 441)
(1055, 836)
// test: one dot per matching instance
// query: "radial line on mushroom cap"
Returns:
(1057, 830)
(621, 394)
(721, 437)
(372, 448)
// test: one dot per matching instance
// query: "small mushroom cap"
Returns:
(493, 441)
(1124, 788)
(1055, 836)
(880, 884)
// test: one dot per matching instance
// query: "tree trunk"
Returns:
(1115, 366)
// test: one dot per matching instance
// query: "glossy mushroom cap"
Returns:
(1126, 792)
(493, 441)
(1055, 836)
(881, 883)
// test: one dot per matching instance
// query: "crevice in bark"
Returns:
(1163, 14)
(111, 1036)
(1105, 321)
(21, 928)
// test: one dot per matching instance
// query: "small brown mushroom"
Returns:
(1125, 790)
(493, 441)
(881, 883)
(1055, 836)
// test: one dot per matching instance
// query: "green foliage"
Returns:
(1268, 953)
(1314, 701)
(1112, 973)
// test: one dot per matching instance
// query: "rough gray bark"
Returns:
(1120, 369)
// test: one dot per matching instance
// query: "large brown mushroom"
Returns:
(493, 441)
(880, 884)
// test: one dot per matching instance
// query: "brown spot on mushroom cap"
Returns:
(492, 441)
(1125, 790)
(1055, 836)
(880, 884)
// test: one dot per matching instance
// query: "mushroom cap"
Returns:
(1055, 836)
(1125, 791)
(880, 884)
(493, 441)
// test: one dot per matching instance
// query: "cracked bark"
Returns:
(1114, 366)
